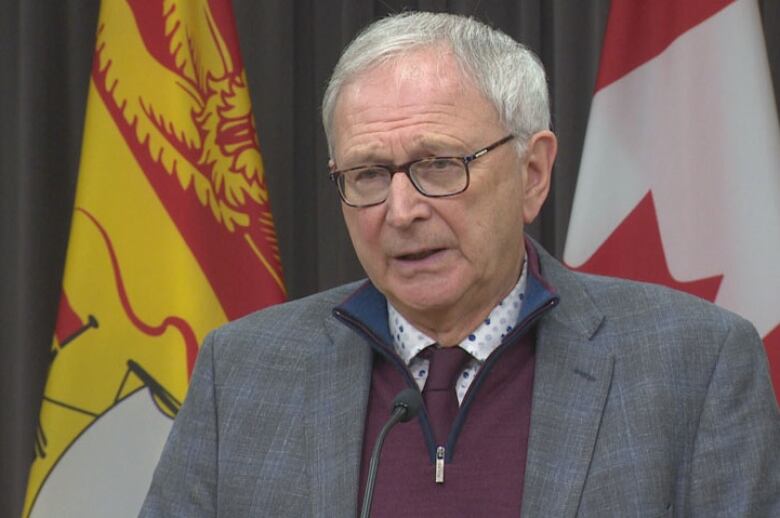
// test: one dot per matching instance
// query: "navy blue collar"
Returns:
(366, 308)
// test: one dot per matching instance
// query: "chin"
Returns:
(424, 297)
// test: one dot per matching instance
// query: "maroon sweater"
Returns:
(485, 452)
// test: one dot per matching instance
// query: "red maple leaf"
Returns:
(635, 251)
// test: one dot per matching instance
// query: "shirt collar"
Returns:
(408, 341)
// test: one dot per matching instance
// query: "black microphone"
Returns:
(405, 407)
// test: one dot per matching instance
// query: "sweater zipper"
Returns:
(439, 476)
(441, 451)
(521, 329)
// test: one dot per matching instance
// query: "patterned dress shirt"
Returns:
(410, 341)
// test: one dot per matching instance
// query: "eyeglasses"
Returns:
(435, 177)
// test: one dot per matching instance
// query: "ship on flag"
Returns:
(171, 236)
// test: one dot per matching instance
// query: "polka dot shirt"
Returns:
(409, 341)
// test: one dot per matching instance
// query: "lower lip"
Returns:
(425, 263)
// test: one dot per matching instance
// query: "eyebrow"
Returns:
(422, 147)
(439, 147)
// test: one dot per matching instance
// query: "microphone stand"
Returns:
(405, 407)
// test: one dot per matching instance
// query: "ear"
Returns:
(331, 165)
(537, 169)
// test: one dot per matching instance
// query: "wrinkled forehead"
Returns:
(434, 68)
(413, 86)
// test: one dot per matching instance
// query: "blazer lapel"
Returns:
(571, 383)
(338, 385)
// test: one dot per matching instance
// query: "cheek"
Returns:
(364, 231)
(492, 230)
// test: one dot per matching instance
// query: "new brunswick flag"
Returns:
(171, 236)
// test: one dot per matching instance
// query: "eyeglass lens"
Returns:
(432, 177)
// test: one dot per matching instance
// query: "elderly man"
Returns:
(546, 392)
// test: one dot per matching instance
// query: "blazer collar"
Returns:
(366, 309)
(571, 381)
(337, 391)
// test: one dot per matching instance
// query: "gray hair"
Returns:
(504, 71)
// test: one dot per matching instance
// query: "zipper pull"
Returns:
(440, 465)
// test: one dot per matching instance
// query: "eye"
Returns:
(438, 165)
(369, 175)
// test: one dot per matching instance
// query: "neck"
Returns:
(449, 332)
(451, 325)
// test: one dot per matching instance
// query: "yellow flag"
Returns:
(171, 236)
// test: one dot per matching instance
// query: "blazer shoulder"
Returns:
(289, 330)
(624, 298)
(645, 313)
(601, 305)
(312, 307)
(613, 305)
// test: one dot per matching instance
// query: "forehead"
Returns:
(430, 67)
(424, 89)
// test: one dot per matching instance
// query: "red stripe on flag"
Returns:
(639, 31)
(150, 20)
(772, 344)
(152, 16)
(226, 26)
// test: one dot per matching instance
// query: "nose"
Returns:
(404, 203)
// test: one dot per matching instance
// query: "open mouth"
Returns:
(417, 256)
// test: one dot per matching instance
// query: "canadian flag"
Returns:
(679, 182)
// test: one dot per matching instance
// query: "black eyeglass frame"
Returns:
(406, 169)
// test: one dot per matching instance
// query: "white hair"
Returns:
(504, 71)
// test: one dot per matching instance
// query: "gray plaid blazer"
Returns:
(646, 402)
